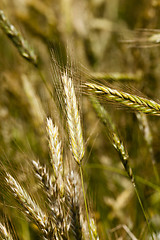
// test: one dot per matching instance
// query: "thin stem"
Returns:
(85, 202)
(123, 173)
(44, 81)
(143, 210)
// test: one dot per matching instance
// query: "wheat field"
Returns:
(79, 119)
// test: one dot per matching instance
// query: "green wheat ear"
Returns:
(15, 36)
(132, 101)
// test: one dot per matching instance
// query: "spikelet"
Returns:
(4, 233)
(17, 39)
(132, 101)
(32, 210)
(45, 179)
(73, 119)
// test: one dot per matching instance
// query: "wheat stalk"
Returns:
(73, 119)
(17, 39)
(132, 101)
(116, 76)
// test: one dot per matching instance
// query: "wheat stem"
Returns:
(116, 76)
(85, 202)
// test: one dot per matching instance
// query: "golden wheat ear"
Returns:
(134, 102)
(31, 208)
(73, 119)
(5, 232)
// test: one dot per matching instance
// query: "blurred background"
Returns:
(115, 41)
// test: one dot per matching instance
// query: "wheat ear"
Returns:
(56, 153)
(47, 181)
(55, 148)
(73, 119)
(32, 210)
(60, 220)
(132, 101)
(17, 39)
(94, 230)
(75, 131)
(4, 233)
(74, 202)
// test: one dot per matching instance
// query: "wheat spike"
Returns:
(74, 201)
(45, 179)
(17, 39)
(55, 148)
(73, 119)
(94, 229)
(5, 234)
(132, 101)
(60, 220)
(32, 210)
